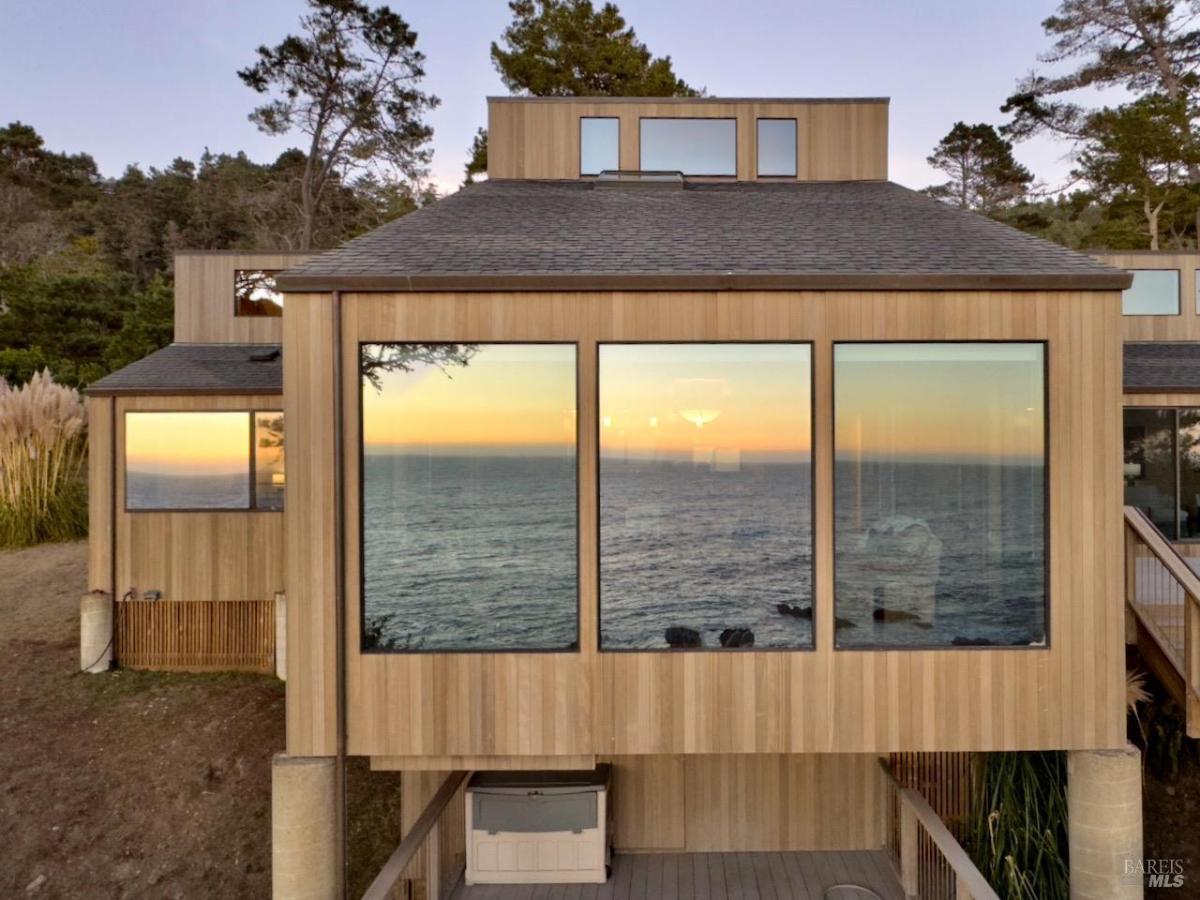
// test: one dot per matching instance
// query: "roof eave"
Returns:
(301, 282)
(99, 390)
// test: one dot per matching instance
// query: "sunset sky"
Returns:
(163, 443)
(939, 401)
(510, 398)
(689, 401)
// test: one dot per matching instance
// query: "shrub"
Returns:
(43, 496)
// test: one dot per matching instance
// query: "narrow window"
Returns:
(705, 496)
(255, 294)
(1162, 468)
(599, 145)
(940, 494)
(1154, 292)
(777, 148)
(690, 146)
(469, 497)
(268, 460)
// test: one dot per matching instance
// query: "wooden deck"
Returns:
(718, 876)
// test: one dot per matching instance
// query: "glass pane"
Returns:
(1155, 292)
(469, 497)
(940, 497)
(1189, 474)
(268, 460)
(599, 146)
(255, 293)
(187, 460)
(705, 495)
(1150, 468)
(690, 146)
(777, 147)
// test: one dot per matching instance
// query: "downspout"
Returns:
(339, 592)
(112, 519)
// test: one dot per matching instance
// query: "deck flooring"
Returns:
(718, 876)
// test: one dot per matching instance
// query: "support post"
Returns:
(281, 635)
(908, 850)
(95, 632)
(304, 852)
(1191, 668)
(1104, 805)
(1131, 626)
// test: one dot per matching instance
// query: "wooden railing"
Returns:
(931, 864)
(1163, 593)
(196, 635)
(427, 863)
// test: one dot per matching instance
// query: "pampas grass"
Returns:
(43, 496)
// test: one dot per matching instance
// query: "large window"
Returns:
(1162, 468)
(599, 145)
(255, 294)
(777, 147)
(705, 496)
(469, 497)
(690, 146)
(204, 460)
(940, 494)
(1154, 292)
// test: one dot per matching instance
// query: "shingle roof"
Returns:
(199, 369)
(513, 235)
(1162, 368)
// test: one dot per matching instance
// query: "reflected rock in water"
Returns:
(682, 636)
(737, 637)
(796, 612)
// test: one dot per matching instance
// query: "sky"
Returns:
(191, 443)
(145, 81)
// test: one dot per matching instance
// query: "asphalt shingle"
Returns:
(199, 369)
(1162, 368)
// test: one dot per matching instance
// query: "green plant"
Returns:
(1018, 830)
(42, 452)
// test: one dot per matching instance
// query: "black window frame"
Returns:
(1158, 315)
(795, 173)
(252, 460)
(237, 313)
(812, 488)
(1175, 411)
(736, 150)
(576, 645)
(1048, 605)
(582, 119)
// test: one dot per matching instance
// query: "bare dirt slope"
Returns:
(128, 784)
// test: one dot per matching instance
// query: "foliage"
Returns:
(1018, 831)
(477, 158)
(377, 359)
(1071, 220)
(349, 84)
(568, 48)
(42, 454)
(1144, 152)
(983, 174)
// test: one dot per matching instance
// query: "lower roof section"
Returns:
(199, 369)
(1162, 368)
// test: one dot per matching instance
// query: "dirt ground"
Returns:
(140, 784)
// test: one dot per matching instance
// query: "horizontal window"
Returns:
(690, 146)
(1162, 468)
(599, 145)
(469, 497)
(255, 294)
(1154, 292)
(940, 494)
(705, 496)
(204, 460)
(777, 147)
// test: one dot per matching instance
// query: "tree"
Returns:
(350, 84)
(983, 174)
(378, 359)
(1140, 155)
(1144, 46)
(568, 48)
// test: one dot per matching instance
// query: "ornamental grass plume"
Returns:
(43, 496)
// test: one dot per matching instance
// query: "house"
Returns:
(689, 444)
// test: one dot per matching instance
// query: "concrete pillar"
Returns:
(281, 636)
(95, 632)
(304, 858)
(1104, 803)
